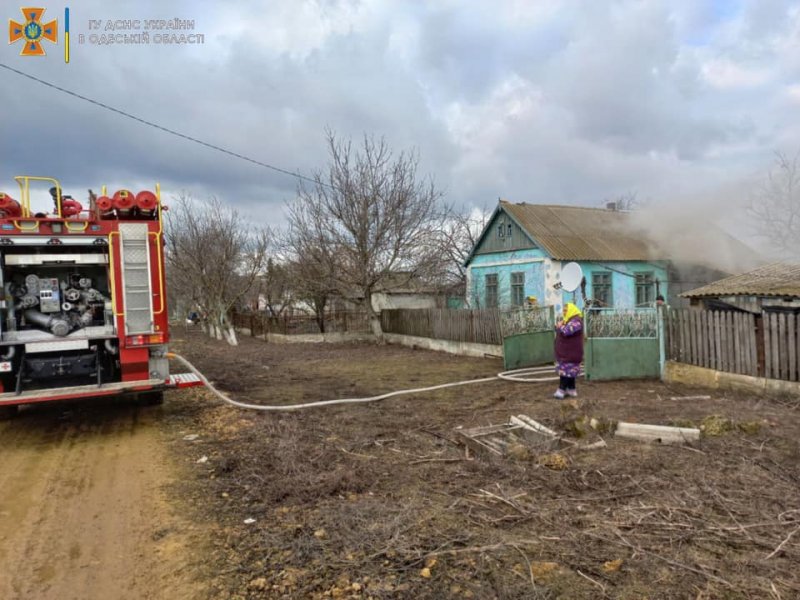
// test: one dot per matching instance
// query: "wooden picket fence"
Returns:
(781, 346)
(458, 325)
(765, 345)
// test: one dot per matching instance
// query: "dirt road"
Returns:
(84, 511)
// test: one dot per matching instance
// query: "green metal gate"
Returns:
(527, 336)
(623, 343)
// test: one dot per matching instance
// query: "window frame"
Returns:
(645, 288)
(608, 288)
(492, 284)
(517, 288)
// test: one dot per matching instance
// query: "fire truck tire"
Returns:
(8, 412)
(151, 398)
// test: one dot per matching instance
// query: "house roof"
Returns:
(777, 279)
(580, 233)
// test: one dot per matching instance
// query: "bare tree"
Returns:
(775, 207)
(214, 256)
(312, 268)
(275, 288)
(625, 202)
(459, 235)
(371, 213)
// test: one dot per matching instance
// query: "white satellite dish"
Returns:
(571, 277)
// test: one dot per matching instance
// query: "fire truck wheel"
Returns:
(151, 398)
(8, 412)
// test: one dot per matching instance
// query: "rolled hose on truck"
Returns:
(527, 375)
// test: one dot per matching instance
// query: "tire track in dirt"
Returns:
(83, 511)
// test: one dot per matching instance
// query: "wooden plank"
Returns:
(752, 334)
(765, 324)
(695, 338)
(728, 344)
(709, 356)
(737, 342)
(685, 336)
(718, 342)
(712, 345)
(657, 433)
(776, 352)
(797, 340)
(691, 335)
(791, 342)
(783, 349)
(743, 352)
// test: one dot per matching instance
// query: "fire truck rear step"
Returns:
(81, 391)
(184, 380)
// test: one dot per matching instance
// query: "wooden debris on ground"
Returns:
(509, 439)
(662, 434)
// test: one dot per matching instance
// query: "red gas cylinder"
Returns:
(9, 207)
(70, 207)
(146, 201)
(123, 201)
(104, 204)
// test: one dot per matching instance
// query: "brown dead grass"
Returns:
(380, 501)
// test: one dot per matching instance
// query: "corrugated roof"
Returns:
(778, 279)
(580, 233)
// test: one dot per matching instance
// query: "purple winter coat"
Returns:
(569, 342)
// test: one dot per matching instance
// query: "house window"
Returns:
(645, 289)
(517, 289)
(491, 290)
(500, 229)
(601, 288)
(509, 230)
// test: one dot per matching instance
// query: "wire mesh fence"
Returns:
(519, 320)
(639, 323)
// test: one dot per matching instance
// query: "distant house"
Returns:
(774, 287)
(399, 289)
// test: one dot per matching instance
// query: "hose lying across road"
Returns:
(528, 375)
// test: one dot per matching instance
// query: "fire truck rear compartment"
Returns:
(57, 326)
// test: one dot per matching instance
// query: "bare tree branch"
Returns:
(213, 258)
(368, 216)
(775, 207)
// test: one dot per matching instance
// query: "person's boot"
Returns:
(572, 393)
(559, 395)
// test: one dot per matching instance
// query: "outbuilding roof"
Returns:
(777, 279)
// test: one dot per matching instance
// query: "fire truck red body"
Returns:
(83, 303)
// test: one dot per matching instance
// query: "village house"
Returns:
(521, 251)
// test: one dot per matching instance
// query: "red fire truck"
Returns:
(83, 307)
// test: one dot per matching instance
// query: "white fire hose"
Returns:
(528, 375)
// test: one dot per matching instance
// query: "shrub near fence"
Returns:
(457, 325)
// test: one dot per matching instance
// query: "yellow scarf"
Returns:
(572, 312)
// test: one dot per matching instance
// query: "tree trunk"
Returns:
(230, 336)
(374, 318)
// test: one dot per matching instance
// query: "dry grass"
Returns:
(380, 501)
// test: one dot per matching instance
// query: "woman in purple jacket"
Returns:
(569, 350)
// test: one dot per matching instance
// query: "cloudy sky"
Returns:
(680, 101)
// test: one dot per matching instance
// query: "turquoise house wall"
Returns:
(529, 261)
(532, 263)
(623, 279)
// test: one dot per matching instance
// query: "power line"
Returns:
(165, 129)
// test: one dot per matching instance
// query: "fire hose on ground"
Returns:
(527, 375)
